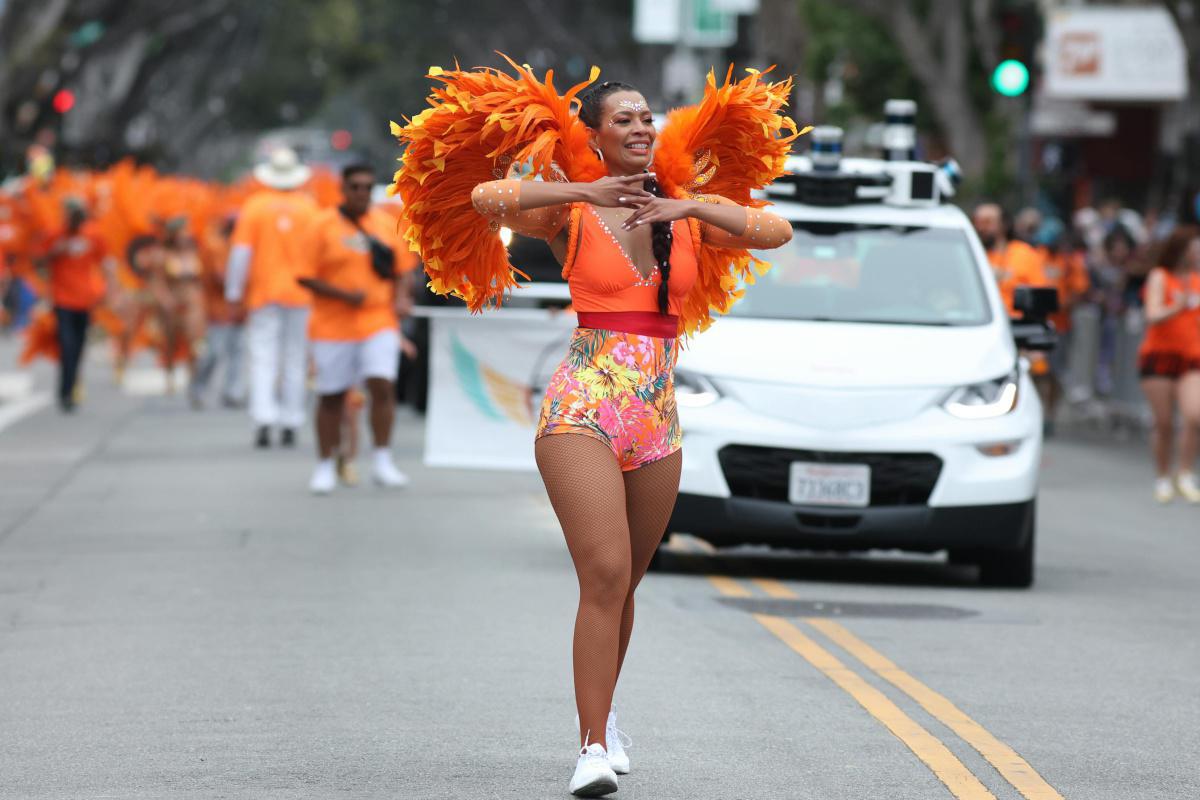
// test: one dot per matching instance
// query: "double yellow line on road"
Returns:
(961, 782)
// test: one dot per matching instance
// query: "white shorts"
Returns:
(341, 365)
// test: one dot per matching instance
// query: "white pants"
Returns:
(341, 365)
(277, 338)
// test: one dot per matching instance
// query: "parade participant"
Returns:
(76, 258)
(356, 279)
(224, 340)
(1169, 361)
(180, 300)
(1065, 268)
(1014, 263)
(266, 259)
(648, 259)
(134, 300)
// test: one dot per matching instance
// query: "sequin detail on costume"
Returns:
(618, 388)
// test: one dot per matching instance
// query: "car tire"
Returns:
(1011, 568)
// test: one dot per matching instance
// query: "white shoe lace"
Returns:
(614, 733)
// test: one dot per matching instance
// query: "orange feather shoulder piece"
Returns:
(732, 142)
(481, 123)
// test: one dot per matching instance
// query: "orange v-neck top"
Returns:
(603, 277)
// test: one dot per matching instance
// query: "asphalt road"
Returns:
(179, 619)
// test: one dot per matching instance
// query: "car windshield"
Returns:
(884, 274)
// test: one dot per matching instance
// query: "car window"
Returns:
(837, 272)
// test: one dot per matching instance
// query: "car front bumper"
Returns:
(977, 500)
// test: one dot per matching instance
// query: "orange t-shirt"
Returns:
(1181, 332)
(77, 274)
(1068, 273)
(340, 256)
(275, 225)
(1017, 264)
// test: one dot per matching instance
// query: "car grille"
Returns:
(897, 479)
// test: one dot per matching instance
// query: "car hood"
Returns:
(849, 356)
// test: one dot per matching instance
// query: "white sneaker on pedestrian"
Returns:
(617, 741)
(324, 477)
(593, 776)
(385, 472)
(1186, 481)
(1164, 490)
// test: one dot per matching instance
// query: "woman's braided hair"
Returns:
(590, 107)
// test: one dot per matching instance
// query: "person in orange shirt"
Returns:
(267, 257)
(1169, 361)
(357, 281)
(1065, 268)
(76, 258)
(1014, 263)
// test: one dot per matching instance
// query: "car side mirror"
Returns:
(1032, 331)
(1035, 302)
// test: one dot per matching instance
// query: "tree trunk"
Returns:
(944, 80)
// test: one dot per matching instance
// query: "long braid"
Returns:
(590, 107)
(660, 242)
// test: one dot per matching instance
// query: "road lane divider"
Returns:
(1016, 770)
(961, 782)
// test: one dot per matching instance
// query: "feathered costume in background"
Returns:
(483, 122)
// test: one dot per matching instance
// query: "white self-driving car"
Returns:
(868, 391)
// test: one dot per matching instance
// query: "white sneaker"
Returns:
(385, 472)
(1164, 490)
(1186, 481)
(617, 741)
(324, 477)
(593, 776)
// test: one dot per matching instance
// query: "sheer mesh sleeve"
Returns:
(501, 201)
(764, 230)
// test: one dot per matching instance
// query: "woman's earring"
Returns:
(599, 155)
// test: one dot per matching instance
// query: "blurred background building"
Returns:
(1060, 102)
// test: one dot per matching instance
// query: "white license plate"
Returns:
(812, 484)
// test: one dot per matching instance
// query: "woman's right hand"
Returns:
(619, 191)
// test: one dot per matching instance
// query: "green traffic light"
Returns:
(1011, 78)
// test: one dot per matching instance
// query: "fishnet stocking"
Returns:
(598, 508)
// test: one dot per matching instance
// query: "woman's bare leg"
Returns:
(588, 495)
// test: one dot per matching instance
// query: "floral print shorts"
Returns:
(618, 388)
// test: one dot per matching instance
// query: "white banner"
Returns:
(487, 377)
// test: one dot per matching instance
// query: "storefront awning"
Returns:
(1115, 54)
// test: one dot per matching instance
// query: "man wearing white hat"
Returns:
(264, 264)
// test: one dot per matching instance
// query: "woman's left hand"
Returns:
(658, 209)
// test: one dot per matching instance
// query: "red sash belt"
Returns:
(640, 323)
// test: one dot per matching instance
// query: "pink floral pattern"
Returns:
(618, 388)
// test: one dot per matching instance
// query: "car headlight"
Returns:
(985, 400)
(694, 390)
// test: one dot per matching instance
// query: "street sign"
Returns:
(707, 25)
(657, 21)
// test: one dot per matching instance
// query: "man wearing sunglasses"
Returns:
(359, 289)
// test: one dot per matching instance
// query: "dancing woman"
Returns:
(647, 257)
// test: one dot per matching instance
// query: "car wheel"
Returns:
(1011, 568)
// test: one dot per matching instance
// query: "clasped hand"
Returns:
(627, 191)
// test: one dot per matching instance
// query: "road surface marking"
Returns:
(1007, 762)
(961, 782)
(14, 411)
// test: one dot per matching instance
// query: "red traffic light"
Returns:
(341, 140)
(64, 101)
